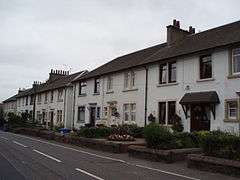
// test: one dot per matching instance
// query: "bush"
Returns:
(222, 145)
(94, 132)
(177, 124)
(185, 140)
(159, 137)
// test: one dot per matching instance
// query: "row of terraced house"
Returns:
(193, 75)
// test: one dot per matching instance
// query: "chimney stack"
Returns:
(191, 30)
(175, 33)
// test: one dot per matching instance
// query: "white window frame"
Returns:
(130, 80)
(166, 111)
(59, 116)
(110, 83)
(232, 61)
(78, 118)
(130, 111)
(167, 73)
(60, 94)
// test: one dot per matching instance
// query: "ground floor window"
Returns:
(166, 112)
(81, 114)
(231, 109)
(59, 116)
(98, 112)
(129, 111)
(39, 116)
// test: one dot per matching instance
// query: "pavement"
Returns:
(23, 157)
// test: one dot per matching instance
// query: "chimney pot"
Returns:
(174, 22)
(178, 24)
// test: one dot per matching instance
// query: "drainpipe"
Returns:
(64, 104)
(146, 97)
(74, 101)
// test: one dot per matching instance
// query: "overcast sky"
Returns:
(37, 35)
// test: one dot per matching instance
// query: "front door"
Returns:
(92, 116)
(200, 119)
(51, 119)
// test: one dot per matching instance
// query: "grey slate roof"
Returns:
(209, 39)
(12, 98)
(200, 97)
(58, 83)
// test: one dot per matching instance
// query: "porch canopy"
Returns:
(209, 98)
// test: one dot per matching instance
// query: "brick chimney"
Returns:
(175, 33)
(55, 74)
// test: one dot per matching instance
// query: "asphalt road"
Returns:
(23, 157)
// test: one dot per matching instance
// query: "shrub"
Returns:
(177, 123)
(221, 144)
(159, 137)
(94, 132)
(185, 140)
(134, 130)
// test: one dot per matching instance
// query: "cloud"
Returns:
(39, 35)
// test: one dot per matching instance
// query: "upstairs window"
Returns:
(59, 116)
(60, 94)
(51, 98)
(82, 88)
(109, 83)
(31, 99)
(97, 85)
(26, 100)
(168, 73)
(46, 97)
(205, 67)
(129, 80)
(236, 61)
(39, 98)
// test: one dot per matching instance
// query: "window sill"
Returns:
(231, 120)
(95, 94)
(82, 95)
(233, 76)
(204, 80)
(127, 90)
(168, 84)
(109, 92)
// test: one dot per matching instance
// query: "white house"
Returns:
(54, 99)
(193, 75)
(10, 105)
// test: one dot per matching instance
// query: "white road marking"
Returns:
(20, 144)
(4, 138)
(89, 174)
(48, 156)
(109, 158)
(166, 172)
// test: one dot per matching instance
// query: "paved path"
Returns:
(32, 158)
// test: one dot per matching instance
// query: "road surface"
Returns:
(23, 157)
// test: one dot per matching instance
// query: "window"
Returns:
(22, 101)
(105, 112)
(39, 116)
(59, 116)
(98, 112)
(26, 100)
(46, 97)
(31, 99)
(51, 98)
(167, 110)
(172, 70)
(81, 114)
(171, 111)
(97, 85)
(205, 67)
(162, 112)
(60, 94)
(129, 111)
(129, 80)
(109, 83)
(236, 61)
(232, 109)
(39, 98)
(82, 88)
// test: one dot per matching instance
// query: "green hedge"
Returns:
(94, 132)
(221, 144)
(160, 137)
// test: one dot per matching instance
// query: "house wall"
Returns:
(118, 95)
(21, 105)
(10, 107)
(188, 75)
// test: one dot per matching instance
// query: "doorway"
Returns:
(51, 119)
(200, 118)
(92, 116)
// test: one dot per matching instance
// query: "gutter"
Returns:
(146, 97)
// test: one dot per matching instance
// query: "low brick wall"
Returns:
(99, 144)
(213, 164)
(168, 156)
